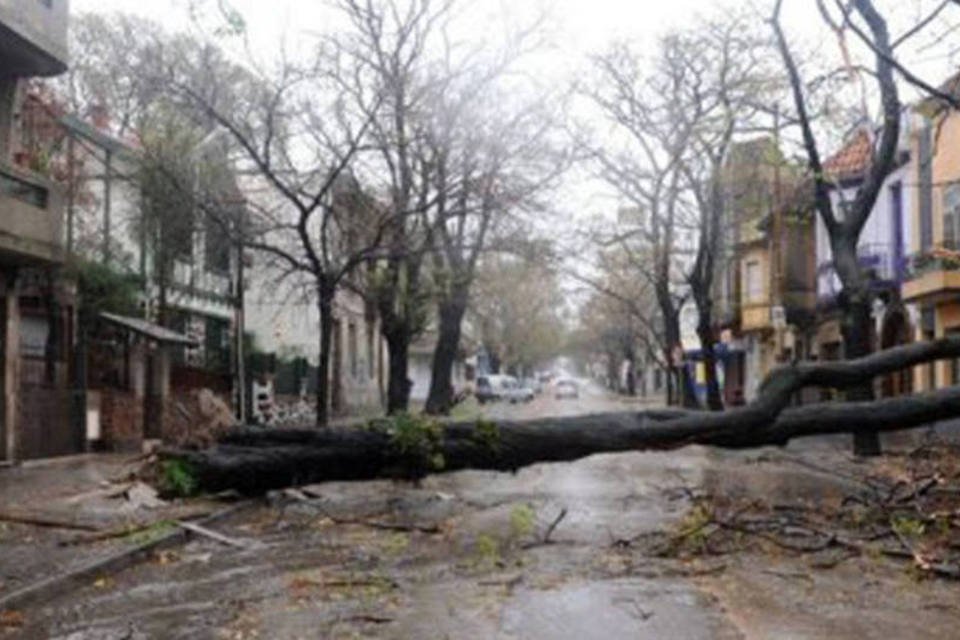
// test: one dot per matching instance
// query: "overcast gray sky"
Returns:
(573, 28)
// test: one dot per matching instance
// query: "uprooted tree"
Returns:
(254, 461)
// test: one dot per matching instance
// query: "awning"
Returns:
(149, 330)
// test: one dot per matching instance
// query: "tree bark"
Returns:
(256, 460)
(325, 307)
(687, 387)
(857, 331)
(440, 397)
(398, 382)
(707, 341)
(613, 371)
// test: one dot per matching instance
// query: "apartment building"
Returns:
(932, 273)
(36, 303)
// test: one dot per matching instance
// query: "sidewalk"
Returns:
(61, 514)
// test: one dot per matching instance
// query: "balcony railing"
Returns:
(878, 260)
(938, 259)
(932, 274)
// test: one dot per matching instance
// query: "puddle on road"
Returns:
(626, 608)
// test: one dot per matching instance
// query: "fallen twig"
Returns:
(213, 535)
(134, 528)
(44, 521)
(553, 525)
(368, 617)
(300, 496)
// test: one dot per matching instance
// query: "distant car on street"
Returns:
(533, 384)
(566, 388)
(491, 388)
(516, 392)
(484, 390)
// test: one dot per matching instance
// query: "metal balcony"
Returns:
(932, 276)
(878, 260)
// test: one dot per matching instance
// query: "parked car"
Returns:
(484, 390)
(566, 388)
(495, 387)
(533, 384)
(515, 392)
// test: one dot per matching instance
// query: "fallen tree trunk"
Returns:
(256, 460)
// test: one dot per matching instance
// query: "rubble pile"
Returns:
(196, 419)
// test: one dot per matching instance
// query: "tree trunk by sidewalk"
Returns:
(325, 307)
(857, 330)
(707, 341)
(398, 382)
(450, 315)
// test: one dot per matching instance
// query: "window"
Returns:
(216, 247)
(216, 343)
(951, 217)
(928, 327)
(352, 350)
(14, 187)
(371, 351)
(925, 188)
(754, 281)
(955, 363)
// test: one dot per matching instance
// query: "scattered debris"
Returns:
(908, 509)
(553, 525)
(38, 520)
(141, 495)
(186, 512)
(302, 496)
(111, 490)
(11, 619)
(196, 419)
(213, 535)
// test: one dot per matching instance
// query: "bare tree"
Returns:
(844, 231)
(491, 165)
(293, 140)
(387, 51)
(720, 64)
(645, 171)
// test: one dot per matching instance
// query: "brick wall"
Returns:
(44, 426)
(121, 420)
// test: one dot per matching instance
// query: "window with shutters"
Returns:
(754, 281)
(352, 351)
(951, 217)
(925, 165)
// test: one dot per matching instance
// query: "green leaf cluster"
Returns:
(178, 478)
(417, 441)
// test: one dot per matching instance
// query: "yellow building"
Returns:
(777, 299)
(772, 270)
(933, 275)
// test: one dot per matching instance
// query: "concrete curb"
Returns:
(53, 586)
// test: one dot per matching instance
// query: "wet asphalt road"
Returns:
(593, 399)
(462, 556)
